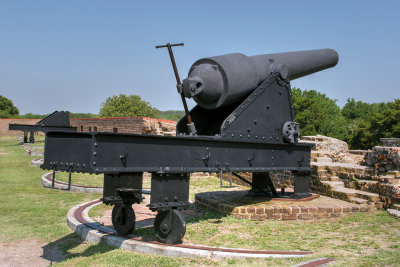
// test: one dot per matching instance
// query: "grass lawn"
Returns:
(28, 211)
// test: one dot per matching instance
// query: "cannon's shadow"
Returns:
(62, 249)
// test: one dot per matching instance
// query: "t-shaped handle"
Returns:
(170, 45)
(191, 127)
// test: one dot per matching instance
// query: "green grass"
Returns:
(81, 178)
(29, 211)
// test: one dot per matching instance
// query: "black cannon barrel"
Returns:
(222, 80)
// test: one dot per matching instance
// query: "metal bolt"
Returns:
(94, 163)
(94, 153)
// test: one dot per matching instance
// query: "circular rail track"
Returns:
(47, 181)
(91, 231)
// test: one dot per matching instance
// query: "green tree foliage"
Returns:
(127, 106)
(318, 114)
(355, 110)
(172, 115)
(31, 116)
(380, 124)
(7, 108)
(82, 115)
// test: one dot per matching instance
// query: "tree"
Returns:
(172, 115)
(318, 114)
(360, 110)
(380, 124)
(7, 108)
(127, 106)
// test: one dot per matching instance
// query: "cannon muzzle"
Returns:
(223, 80)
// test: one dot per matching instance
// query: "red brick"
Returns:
(286, 217)
(337, 209)
(259, 217)
(269, 211)
(321, 209)
(251, 210)
(242, 216)
(346, 209)
(260, 210)
(313, 210)
(295, 210)
(236, 210)
(304, 209)
(275, 217)
(321, 215)
(329, 210)
(355, 209)
(277, 210)
(305, 217)
(287, 210)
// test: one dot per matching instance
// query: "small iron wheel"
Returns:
(123, 219)
(170, 226)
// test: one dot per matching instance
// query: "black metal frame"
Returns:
(56, 121)
(250, 137)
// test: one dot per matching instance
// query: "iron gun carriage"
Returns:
(245, 123)
(56, 121)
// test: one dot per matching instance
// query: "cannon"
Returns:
(245, 123)
(56, 121)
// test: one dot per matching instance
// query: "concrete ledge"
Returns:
(36, 162)
(91, 231)
(47, 180)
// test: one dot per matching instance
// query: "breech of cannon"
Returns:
(223, 80)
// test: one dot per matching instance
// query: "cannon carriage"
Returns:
(244, 122)
(56, 121)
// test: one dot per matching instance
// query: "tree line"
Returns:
(358, 123)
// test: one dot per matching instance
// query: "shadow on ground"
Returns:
(60, 249)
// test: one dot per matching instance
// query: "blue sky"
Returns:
(72, 55)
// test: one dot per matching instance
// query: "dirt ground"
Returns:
(29, 252)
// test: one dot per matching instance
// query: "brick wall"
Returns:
(120, 125)
(5, 122)
(137, 125)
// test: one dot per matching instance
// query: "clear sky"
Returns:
(72, 55)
